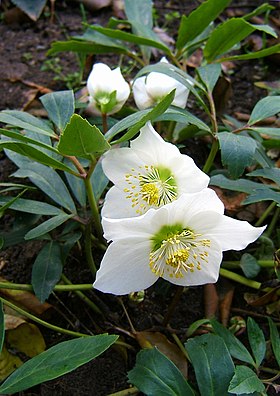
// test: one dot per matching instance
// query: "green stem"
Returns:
(59, 288)
(181, 346)
(213, 114)
(94, 209)
(273, 222)
(236, 264)
(126, 392)
(211, 156)
(40, 321)
(82, 296)
(265, 214)
(88, 250)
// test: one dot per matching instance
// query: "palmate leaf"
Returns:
(237, 152)
(265, 107)
(60, 359)
(245, 381)
(212, 363)
(46, 270)
(48, 226)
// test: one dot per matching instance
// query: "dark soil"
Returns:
(23, 49)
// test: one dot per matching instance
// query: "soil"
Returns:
(23, 49)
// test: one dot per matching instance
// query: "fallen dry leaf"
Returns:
(26, 338)
(12, 321)
(8, 363)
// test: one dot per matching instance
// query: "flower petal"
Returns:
(125, 268)
(141, 97)
(208, 273)
(116, 205)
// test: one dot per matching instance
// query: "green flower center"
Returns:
(177, 251)
(150, 186)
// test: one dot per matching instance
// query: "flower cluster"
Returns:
(160, 216)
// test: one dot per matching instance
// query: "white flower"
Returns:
(149, 90)
(107, 88)
(181, 242)
(149, 174)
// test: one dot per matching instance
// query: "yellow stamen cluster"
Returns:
(147, 187)
(179, 254)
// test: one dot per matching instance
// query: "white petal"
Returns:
(208, 273)
(141, 97)
(116, 205)
(120, 85)
(99, 79)
(125, 268)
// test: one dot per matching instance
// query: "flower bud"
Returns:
(149, 90)
(107, 89)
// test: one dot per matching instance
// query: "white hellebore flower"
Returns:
(149, 90)
(149, 174)
(107, 88)
(181, 242)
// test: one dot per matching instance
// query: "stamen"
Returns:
(150, 187)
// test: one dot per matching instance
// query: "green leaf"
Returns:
(253, 55)
(249, 265)
(273, 132)
(131, 38)
(268, 173)
(195, 325)
(150, 116)
(2, 327)
(99, 181)
(184, 116)
(23, 138)
(76, 184)
(245, 381)
(275, 339)
(85, 47)
(242, 185)
(31, 206)
(228, 34)
(34, 154)
(264, 194)
(25, 121)
(212, 364)
(60, 107)
(48, 226)
(9, 201)
(256, 340)
(235, 347)
(82, 139)
(49, 182)
(265, 107)
(31, 8)
(46, 270)
(154, 374)
(60, 359)
(237, 152)
(209, 75)
(198, 20)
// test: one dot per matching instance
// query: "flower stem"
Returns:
(265, 214)
(94, 209)
(240, 279)
(40, 321)
(273, 222)
(211, 156)
(59, 288)
(82, 296)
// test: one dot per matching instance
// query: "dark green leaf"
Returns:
(46, 270)
(237, 152)
(31, 8)
(195, 325)
(60, 107)
(265, 107)
(84, 47)
(2, 326)
(242, 185)
(34, 154)
(275, 339)
(9, 201)
(76, 184)
(209, 75)
(194, 24)
(235, 347)
(245, 381)
(71, 240)
(50, 183)
(273, 132)
(254, 55)
(31, 206)
(82, 139)
(25, 121)
(249, 265)
(48, 226)
(154, 374)
(264, 194)
(228, 34)
(212, 364)
(256, 340)
(184, 116)
(98, 181)
(268, 173)
(125, 123)
(150, 116)
(59, 360)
